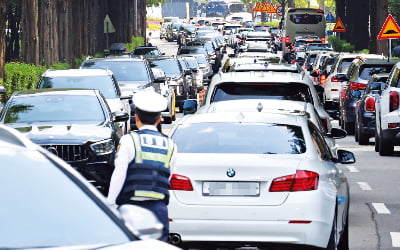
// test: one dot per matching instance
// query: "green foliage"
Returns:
(60, 65)
(155, 3)
(270, 24)
(364, 51)
(136, 41)
(21, 76)
(340, 45)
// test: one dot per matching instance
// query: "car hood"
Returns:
(210, 167)
(138, 245)
(44, 133)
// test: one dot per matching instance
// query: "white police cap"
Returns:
(149, 101)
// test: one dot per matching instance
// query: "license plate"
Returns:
(231, 188)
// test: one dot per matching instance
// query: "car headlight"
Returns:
(103, 147)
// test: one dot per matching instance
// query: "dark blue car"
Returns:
(365, 109)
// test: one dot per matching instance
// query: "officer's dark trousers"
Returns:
(159, 208)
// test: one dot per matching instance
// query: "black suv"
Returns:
(146, 51)
(132, 74)
(357, 77)
(74, 124)
(176, 77)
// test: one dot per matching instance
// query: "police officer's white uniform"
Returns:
(147, 101)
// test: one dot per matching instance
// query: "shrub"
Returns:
(340, 45)
(21, 76)
(136, 41)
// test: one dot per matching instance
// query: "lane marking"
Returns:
(352, 169)
(395, 239)
(364, 186)
(381, 208)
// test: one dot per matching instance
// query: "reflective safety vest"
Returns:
(148, 173)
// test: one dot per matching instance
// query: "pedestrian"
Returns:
(143, 161)
(148, 39)
(181, 40)
(396, 50)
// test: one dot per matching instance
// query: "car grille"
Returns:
(69, 153)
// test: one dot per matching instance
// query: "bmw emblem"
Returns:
(231, 172)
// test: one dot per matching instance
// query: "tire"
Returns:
(349, 127)
(363, 139)
(386, 147)
(356, 131)
(332, 239)
(344, 238)
(376, 141)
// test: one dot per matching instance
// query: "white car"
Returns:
(101, 79)
(255, 178)
(334, 80)
(269, 85)
(387, 110)
(278, 106)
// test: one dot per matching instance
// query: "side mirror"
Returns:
(141, 221)
(189, 106)
(121, 116)
(345, 157)
(337, 133)
(188, 72)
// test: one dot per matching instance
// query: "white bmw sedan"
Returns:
(255, 179)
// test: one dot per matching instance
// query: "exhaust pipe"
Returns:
(175, 239)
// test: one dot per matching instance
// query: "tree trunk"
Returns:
(3, 14)
(30, 32)
(379, 13)
(358, 30)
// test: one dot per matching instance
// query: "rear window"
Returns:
(306, 18)
(280, 91)
(239, 138)
(344, 65)
(366, 71)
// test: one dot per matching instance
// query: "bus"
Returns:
(304, 22)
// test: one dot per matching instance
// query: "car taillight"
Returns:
(393, 125)
(357, 86)
(322, 80)
(323, 40)
(393, 100)
(334, 79)
(287, 39)
(301, 181)
(180, 182)
(369, 104)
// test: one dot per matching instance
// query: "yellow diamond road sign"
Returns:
(390, 29)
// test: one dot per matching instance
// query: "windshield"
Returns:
(103, 83)
(239, 138)
(123, 70)
(368, 70)
(285, 91)
(170, 66)
(50, 108)
(43, 207)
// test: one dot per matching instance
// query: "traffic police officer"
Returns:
(143, 161)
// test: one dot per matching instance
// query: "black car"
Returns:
(365, 109)
(46, 204)
(176, 77)
(132, 74)
(358, 75)
(146, 51)
(74, 124)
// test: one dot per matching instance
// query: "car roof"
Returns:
(267, 66)
(258, 76)
(243, 117)
(77, 72)
(375, 61)
(61, 91)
